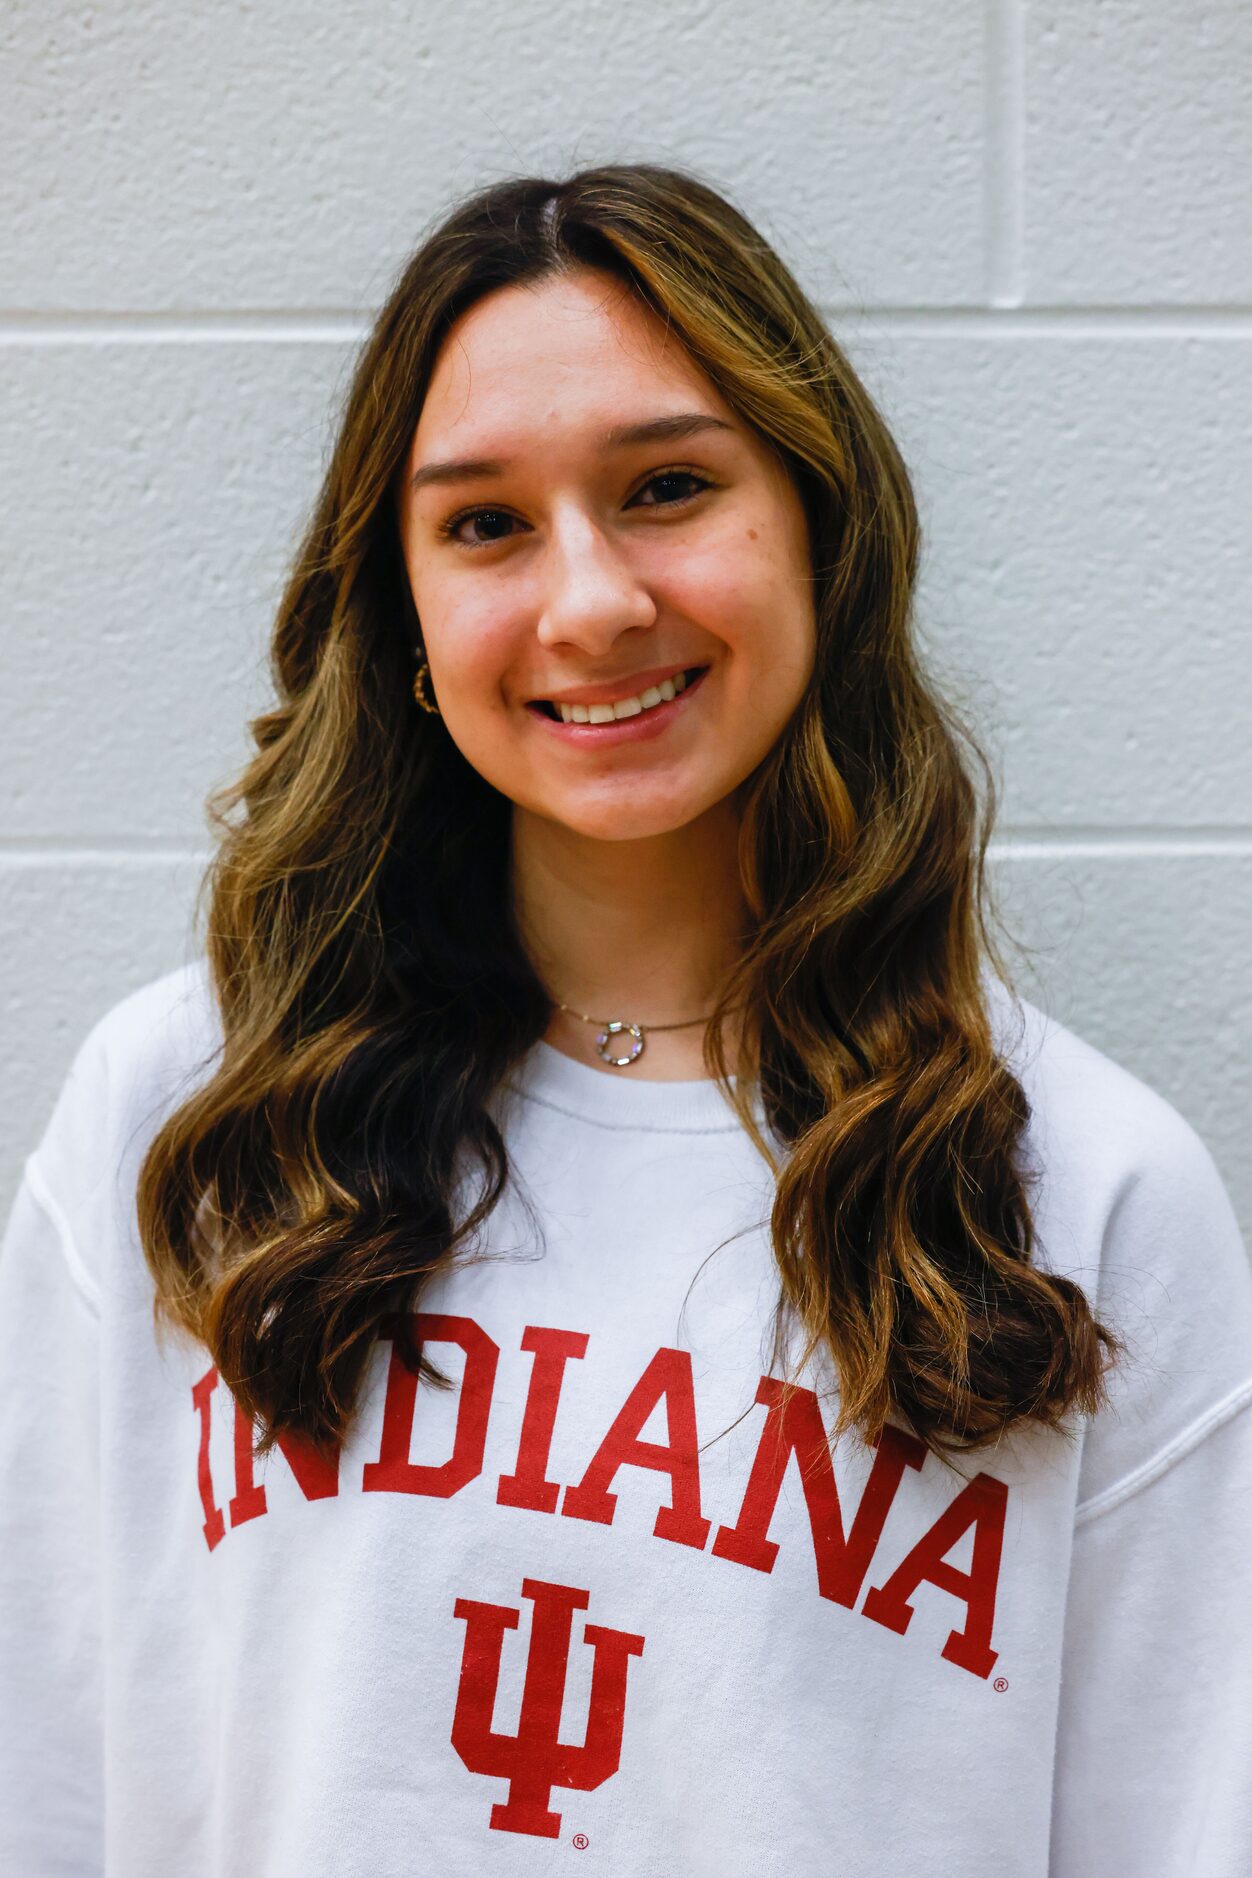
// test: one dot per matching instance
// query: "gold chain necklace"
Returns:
(610, 1027)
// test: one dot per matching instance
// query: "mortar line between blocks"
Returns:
(1001, 322)
(1004, 152)
(1055, 843)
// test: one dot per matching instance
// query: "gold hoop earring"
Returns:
(419, 687)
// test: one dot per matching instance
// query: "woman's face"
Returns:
(563, 564)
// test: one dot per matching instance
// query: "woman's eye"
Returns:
(451, 529)
(675, 476)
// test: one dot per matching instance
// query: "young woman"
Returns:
(676, 1364)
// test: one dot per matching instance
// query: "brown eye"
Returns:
(450, 530)
(675, 476)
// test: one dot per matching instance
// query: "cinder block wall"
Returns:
(1029, 225)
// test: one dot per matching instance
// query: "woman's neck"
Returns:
(640, 930)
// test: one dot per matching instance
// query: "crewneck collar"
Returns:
(617, 1099)
(611, 1099)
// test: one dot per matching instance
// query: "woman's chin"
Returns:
(620, 820)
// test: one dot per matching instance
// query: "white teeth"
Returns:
(664, 693)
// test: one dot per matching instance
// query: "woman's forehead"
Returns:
(537, 349)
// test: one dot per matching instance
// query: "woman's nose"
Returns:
(591, 592)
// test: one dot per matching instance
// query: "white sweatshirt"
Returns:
(583, 1613)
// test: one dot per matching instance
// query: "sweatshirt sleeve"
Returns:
(51, 1734)
(1154, 1754)
(1153, 1770)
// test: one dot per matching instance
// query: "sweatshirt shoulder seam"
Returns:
(1175, 1450)
(51, 1207)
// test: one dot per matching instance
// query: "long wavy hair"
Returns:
(368, 972)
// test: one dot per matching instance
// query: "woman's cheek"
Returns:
(475, 656)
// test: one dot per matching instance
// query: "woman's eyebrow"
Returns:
(652, 430)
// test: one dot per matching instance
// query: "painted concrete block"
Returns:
(1137, 153)
(290, 156)
(153, 496)
(1145, 955)
(1087, 564)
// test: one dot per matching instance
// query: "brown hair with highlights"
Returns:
(371, 984)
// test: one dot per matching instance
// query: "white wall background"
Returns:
(1028, 223)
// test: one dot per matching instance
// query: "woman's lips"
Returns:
(638, 729)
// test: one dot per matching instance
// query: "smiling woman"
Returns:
(600, 992)
(545, 396)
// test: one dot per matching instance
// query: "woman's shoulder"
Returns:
(159, 1022)
(155, 1038)
(1097, 1132)
(1129, 1202)
(1088, 1112)
(133, 1066)
(1102, 1144)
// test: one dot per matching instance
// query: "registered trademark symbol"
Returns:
(1000, 1684)
(581, 1840)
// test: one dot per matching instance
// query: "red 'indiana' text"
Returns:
(844, 1553)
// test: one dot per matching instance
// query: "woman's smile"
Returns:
(634, 717)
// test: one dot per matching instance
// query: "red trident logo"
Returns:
(533, 1761)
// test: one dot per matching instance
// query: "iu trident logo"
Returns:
(533, 1761)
